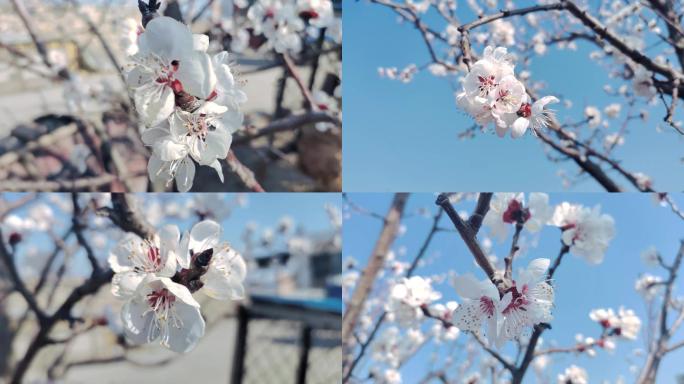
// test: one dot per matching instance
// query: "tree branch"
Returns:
(375, 263)
(468, 235)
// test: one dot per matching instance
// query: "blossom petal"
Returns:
(217, 145)
(204, 235)
(185, 175)
(124, 284)
(184, 251)
(200, 42)
(469, 316)
(534, 272)
(184, 339)
(158, 170)
(539, 105)
(138, 76)
(153, 135)
(180, 291)
(154, 102)
(118, 256)
(197, 75)
(138, 322)
(170, 150)
(224, 278)
(218, 287)
(519, 127)
(169, 236)
(166, 38)
(467, 286)
(217, 167)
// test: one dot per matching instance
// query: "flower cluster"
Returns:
(589, 344)
(407, 298)
(188, 101)
(157, 277)
(392, 347)
(625, 323)
(586, 231)
(573, 375)
(526, 303)
(510, 208)
(492, 94)
(648, 286)
(283, 24)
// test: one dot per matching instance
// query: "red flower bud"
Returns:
(15, 238)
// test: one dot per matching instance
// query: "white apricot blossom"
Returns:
(391, 376)
(586, 231)
(166, 63)
(605, 317)
(492, 94)
(510, 208)
(480, 304)
(133, 259)
(534, 116)
(227, 269)
(189, 102)
(485, 75)
(155, 277)
(628, 324)
(528, 302)
(573, 375)
(625, 323)
(204, 136)
(160, 309)
(408, 296)
(648, 286)
(279, 22)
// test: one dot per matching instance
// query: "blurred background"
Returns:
(61, 103)
(287, 330)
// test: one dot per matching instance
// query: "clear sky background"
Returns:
(404, 136)
(263, 210)
(579, 286)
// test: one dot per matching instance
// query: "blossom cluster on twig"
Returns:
(157, 277)
(188, 101)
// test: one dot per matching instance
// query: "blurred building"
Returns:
(308, 268)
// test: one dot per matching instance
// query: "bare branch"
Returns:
(287, 124)
(289, 64)
(78, 228)
(244, 173)
(7, 258)
(468, 235)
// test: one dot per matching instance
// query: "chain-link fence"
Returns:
(287, 341)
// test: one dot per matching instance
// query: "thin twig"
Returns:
(244, 173)
(308, 97)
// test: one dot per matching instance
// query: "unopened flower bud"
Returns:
(15, 238)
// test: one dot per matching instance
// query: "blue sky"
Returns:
(579, 287)
(404, 136)
(264, 210)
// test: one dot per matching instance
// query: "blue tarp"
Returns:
(333, 305)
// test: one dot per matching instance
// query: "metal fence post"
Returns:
(240, 346)
(304, 355)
